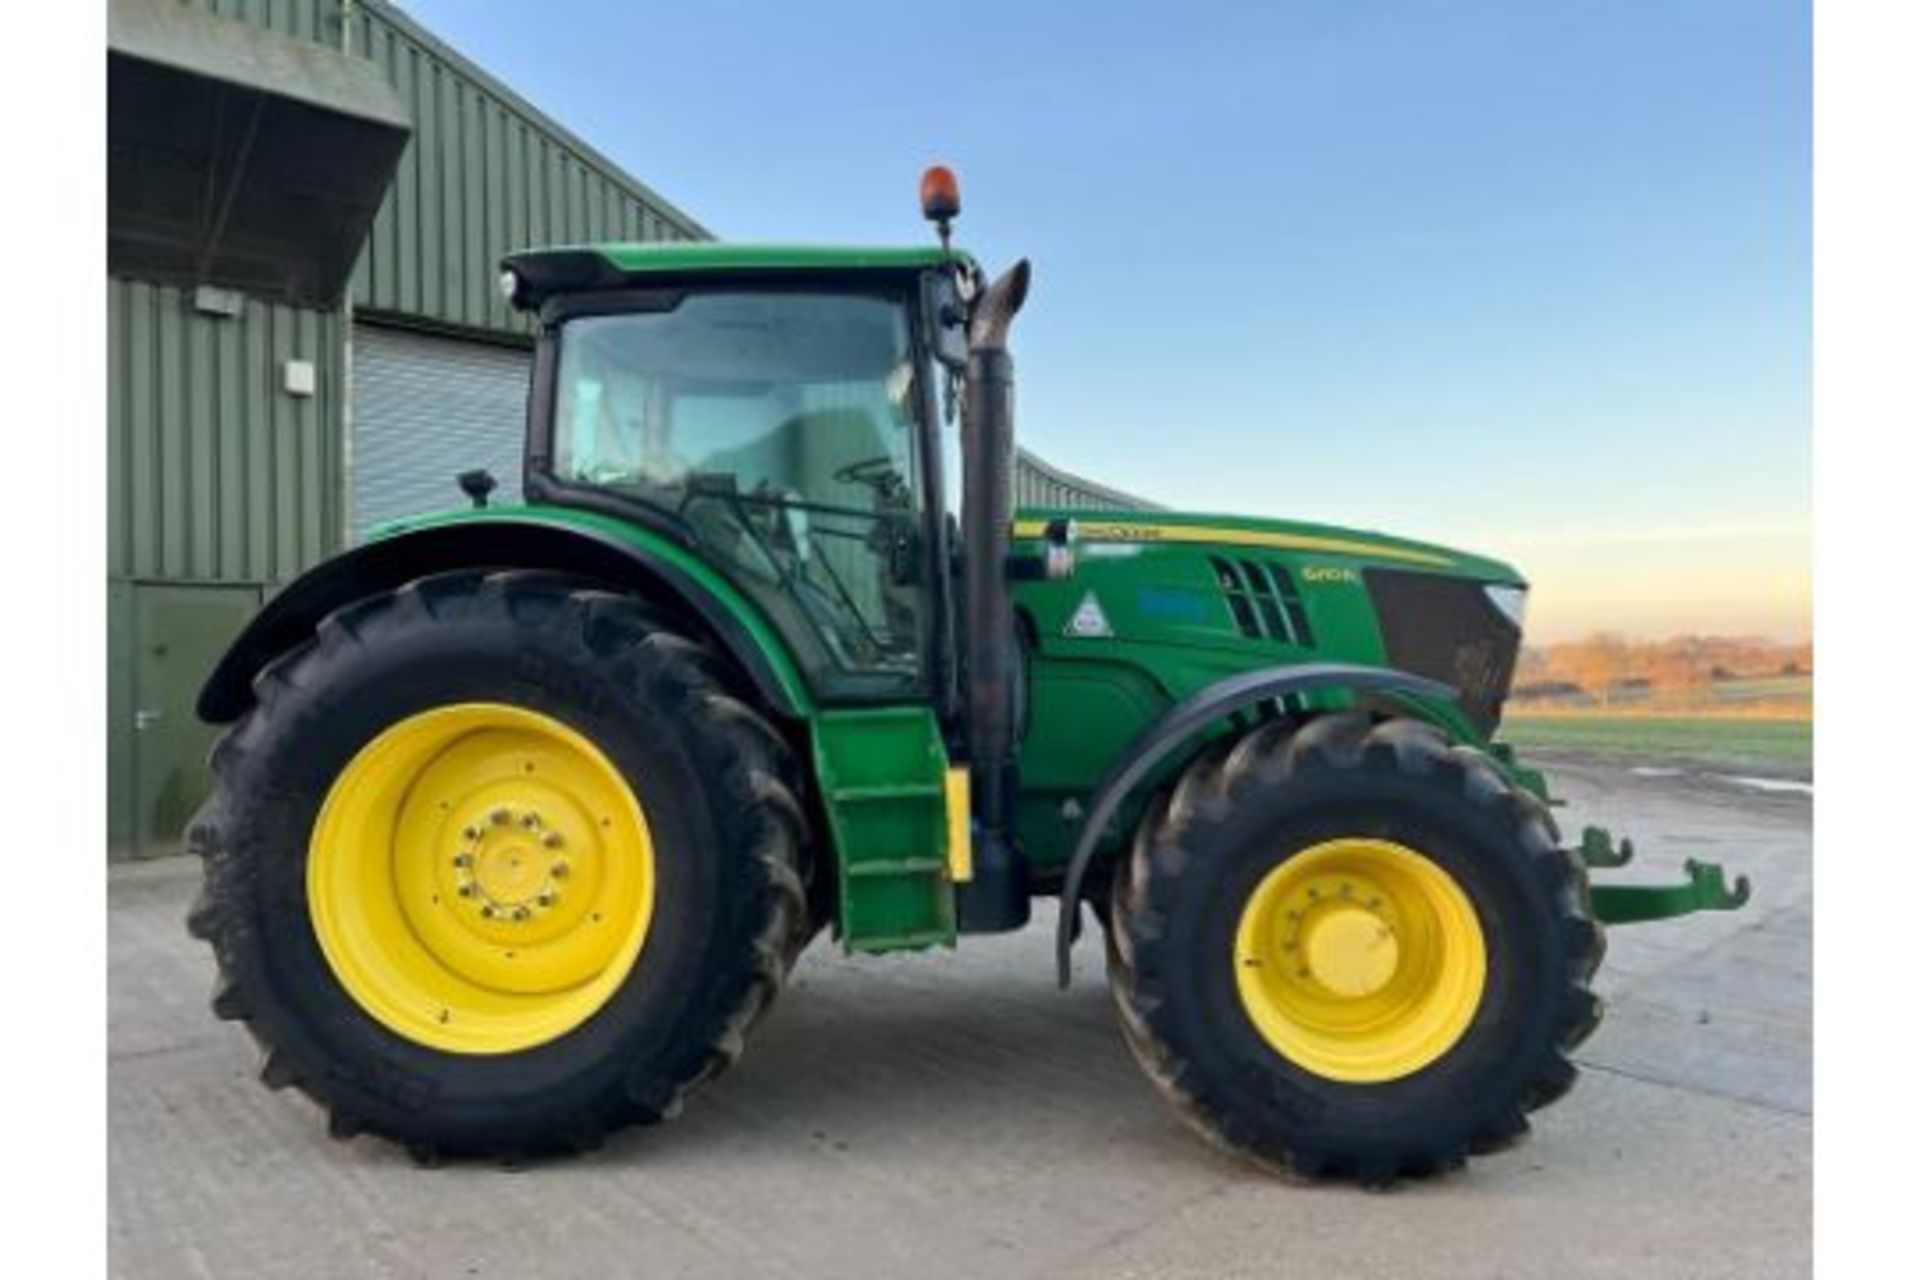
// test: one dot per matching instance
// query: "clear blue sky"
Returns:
(1529, 275)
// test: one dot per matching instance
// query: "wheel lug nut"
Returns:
(547, 899)
(470, 833)
(559, 871)
(521, 913)
(465, 891)
(531, 821)
(486, 909)
(500, 817)
(552, 840)
(462, 859)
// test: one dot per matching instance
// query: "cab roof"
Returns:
(572, 268)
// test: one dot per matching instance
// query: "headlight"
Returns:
(1512, 601)
(509, 283)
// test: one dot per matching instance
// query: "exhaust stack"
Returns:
(996, 898)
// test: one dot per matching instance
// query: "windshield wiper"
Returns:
(724, 490)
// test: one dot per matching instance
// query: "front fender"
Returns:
(592, 547)
(1188, 717)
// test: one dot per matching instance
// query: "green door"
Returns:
(179, 632)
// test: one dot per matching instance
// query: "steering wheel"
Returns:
(868, 471)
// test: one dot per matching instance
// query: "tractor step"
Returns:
(873, 943)
(882, 776)
(898, 867)
(900, 791)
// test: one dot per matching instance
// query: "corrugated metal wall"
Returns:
(480, 179)
(215, 473)
(1037, 483)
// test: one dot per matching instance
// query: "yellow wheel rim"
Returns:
(480, 878)
(1360, 960)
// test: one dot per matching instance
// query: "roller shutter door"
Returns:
(424, 410)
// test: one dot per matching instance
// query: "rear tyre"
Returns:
(497, 865)
(1352, 949)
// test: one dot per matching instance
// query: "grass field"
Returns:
(1776, 742)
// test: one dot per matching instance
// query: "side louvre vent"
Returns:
(1264, 601)
(1235, 589)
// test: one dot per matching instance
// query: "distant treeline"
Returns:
(1606, 666)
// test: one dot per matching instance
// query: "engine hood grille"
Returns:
(1446, 629)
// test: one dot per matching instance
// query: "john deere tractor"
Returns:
(525, 812)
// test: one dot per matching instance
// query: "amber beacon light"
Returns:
(940, 199)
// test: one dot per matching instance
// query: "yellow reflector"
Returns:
(959, 826)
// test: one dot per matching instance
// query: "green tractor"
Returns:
(525, 812)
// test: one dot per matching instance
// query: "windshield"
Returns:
(780, 427)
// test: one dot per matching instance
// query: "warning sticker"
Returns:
(1089, 620)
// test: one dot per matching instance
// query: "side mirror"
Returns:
(946, 319)
(477, 485)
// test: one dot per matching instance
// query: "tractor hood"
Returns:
(1197, 596)
(1344, 548)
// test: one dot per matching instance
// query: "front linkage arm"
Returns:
(1705, 888)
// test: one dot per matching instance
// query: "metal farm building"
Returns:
(259, 418)
(307, 200)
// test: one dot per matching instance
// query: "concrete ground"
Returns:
(956, 1115)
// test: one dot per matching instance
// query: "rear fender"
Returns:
(661, 572)
(1188, 718)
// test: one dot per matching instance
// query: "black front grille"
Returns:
(1446, 629)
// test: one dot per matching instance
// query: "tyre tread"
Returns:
(1270, 756)
(759, 778)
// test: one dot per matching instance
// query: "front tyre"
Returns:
(1350, 949)
(497, 864)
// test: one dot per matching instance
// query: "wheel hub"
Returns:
(511, 868)
(481, 878)
(1351, 951)
(1359, 959)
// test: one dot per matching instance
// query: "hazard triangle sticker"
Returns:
(1089, 620)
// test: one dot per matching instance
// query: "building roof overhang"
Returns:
(241, 158)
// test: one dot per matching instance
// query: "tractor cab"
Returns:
(776, 408)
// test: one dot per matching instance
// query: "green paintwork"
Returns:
(650, 543)
(710, 256)
(1598, 850)
(1385, 549)
(879, 770)
(1172, 634)
(1705, 890)
(881, 775)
